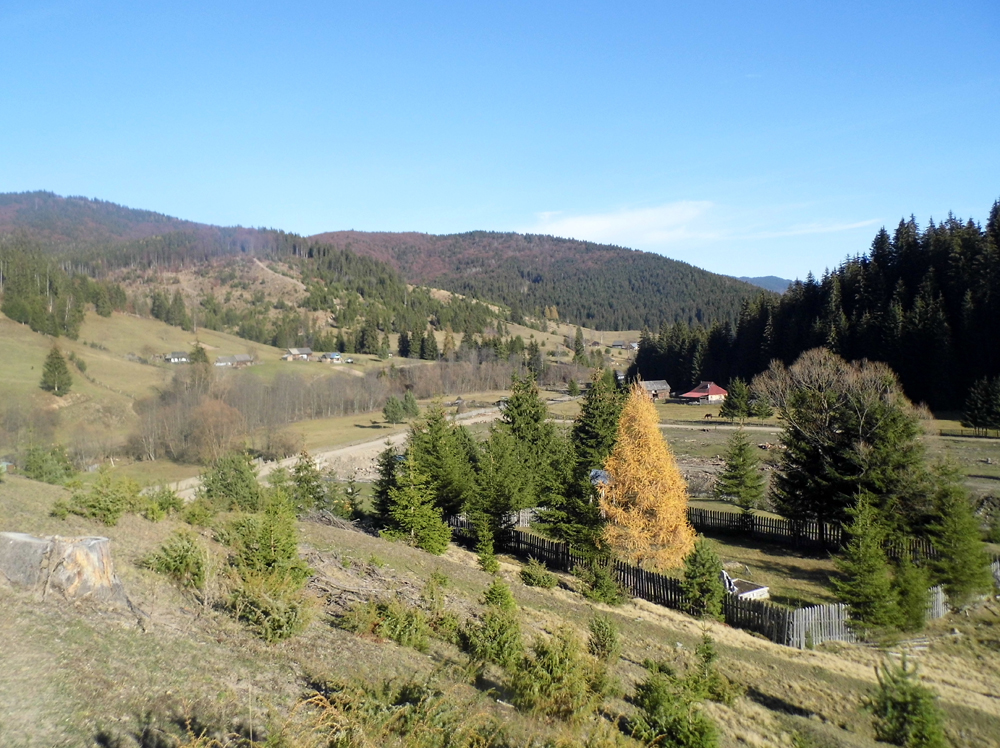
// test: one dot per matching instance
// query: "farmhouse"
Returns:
(177, 357)
(706, 392)
(238, 361)
(657, 388)
(297, 354)
(331, 358)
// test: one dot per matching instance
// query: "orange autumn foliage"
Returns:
(645, 501)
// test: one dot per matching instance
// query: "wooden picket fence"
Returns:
(800, 628)
(799, 534)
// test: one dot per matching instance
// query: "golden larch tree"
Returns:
(645, 501)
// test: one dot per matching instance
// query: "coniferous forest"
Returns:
(925, 302)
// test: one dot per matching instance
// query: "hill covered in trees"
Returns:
(595, 285)
(925, 302)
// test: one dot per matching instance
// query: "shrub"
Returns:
(232, 484)
(498, 595)
(107, 499)
(48, 464)
(266, 542)
(667, 715)
(604, 643)
(534, 574)
(702, 583)
(600, 584)
(182, 558)
(199, 512)
(272, 605)
(905, 712)
(912, 587)
(558, 679)
(705, 682)
(396, 714)
(394, 620)
(495, 638)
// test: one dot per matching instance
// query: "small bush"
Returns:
(498, 595)
(905, 712)
(182, 558)
(274, 607)
(534, 574)
(267, 542)
(166, 499)
(600, 584)
(558, 679)
(391, 713)
(494, 639)
(702, 583)
(199, 512)
(107, 499)
(912, 587)
(705, 682)
(667, 715)
(231, 483)
(404, 624)
(604, 643)
(48, 464)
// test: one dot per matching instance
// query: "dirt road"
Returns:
(357, 459)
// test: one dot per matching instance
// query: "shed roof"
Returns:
(656, 385)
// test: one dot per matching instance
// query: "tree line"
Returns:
(922, 301)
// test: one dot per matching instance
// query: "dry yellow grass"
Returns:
(71, 673)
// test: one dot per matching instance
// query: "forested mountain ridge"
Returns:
(926, 302)
(596, 285)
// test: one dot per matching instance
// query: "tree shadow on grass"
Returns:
(776, 703)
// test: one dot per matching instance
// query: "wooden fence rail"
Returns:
(801, 628)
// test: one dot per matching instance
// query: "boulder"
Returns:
(75, 568)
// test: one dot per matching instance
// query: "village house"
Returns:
(331, 358)
(297, 354)
(238, 361)
(706, 392)
(176, 357)
(657, 388)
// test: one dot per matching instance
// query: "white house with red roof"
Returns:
(706, 392)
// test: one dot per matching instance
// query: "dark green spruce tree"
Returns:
(736, 406)
(575, 516)
(55, 374)
(413, 515)
(962, 566)
(866, 586)
(740, 481)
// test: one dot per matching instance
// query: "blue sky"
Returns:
(749, 138)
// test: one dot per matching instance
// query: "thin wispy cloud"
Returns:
(684, 222)
(636, 227)
(812, 228)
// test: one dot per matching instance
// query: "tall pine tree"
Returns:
(55, 374)
(740, 481)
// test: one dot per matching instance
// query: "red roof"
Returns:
(705, 389)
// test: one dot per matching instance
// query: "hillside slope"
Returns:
(596, 285)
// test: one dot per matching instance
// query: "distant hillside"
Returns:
(768, 282)
(596, 285)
